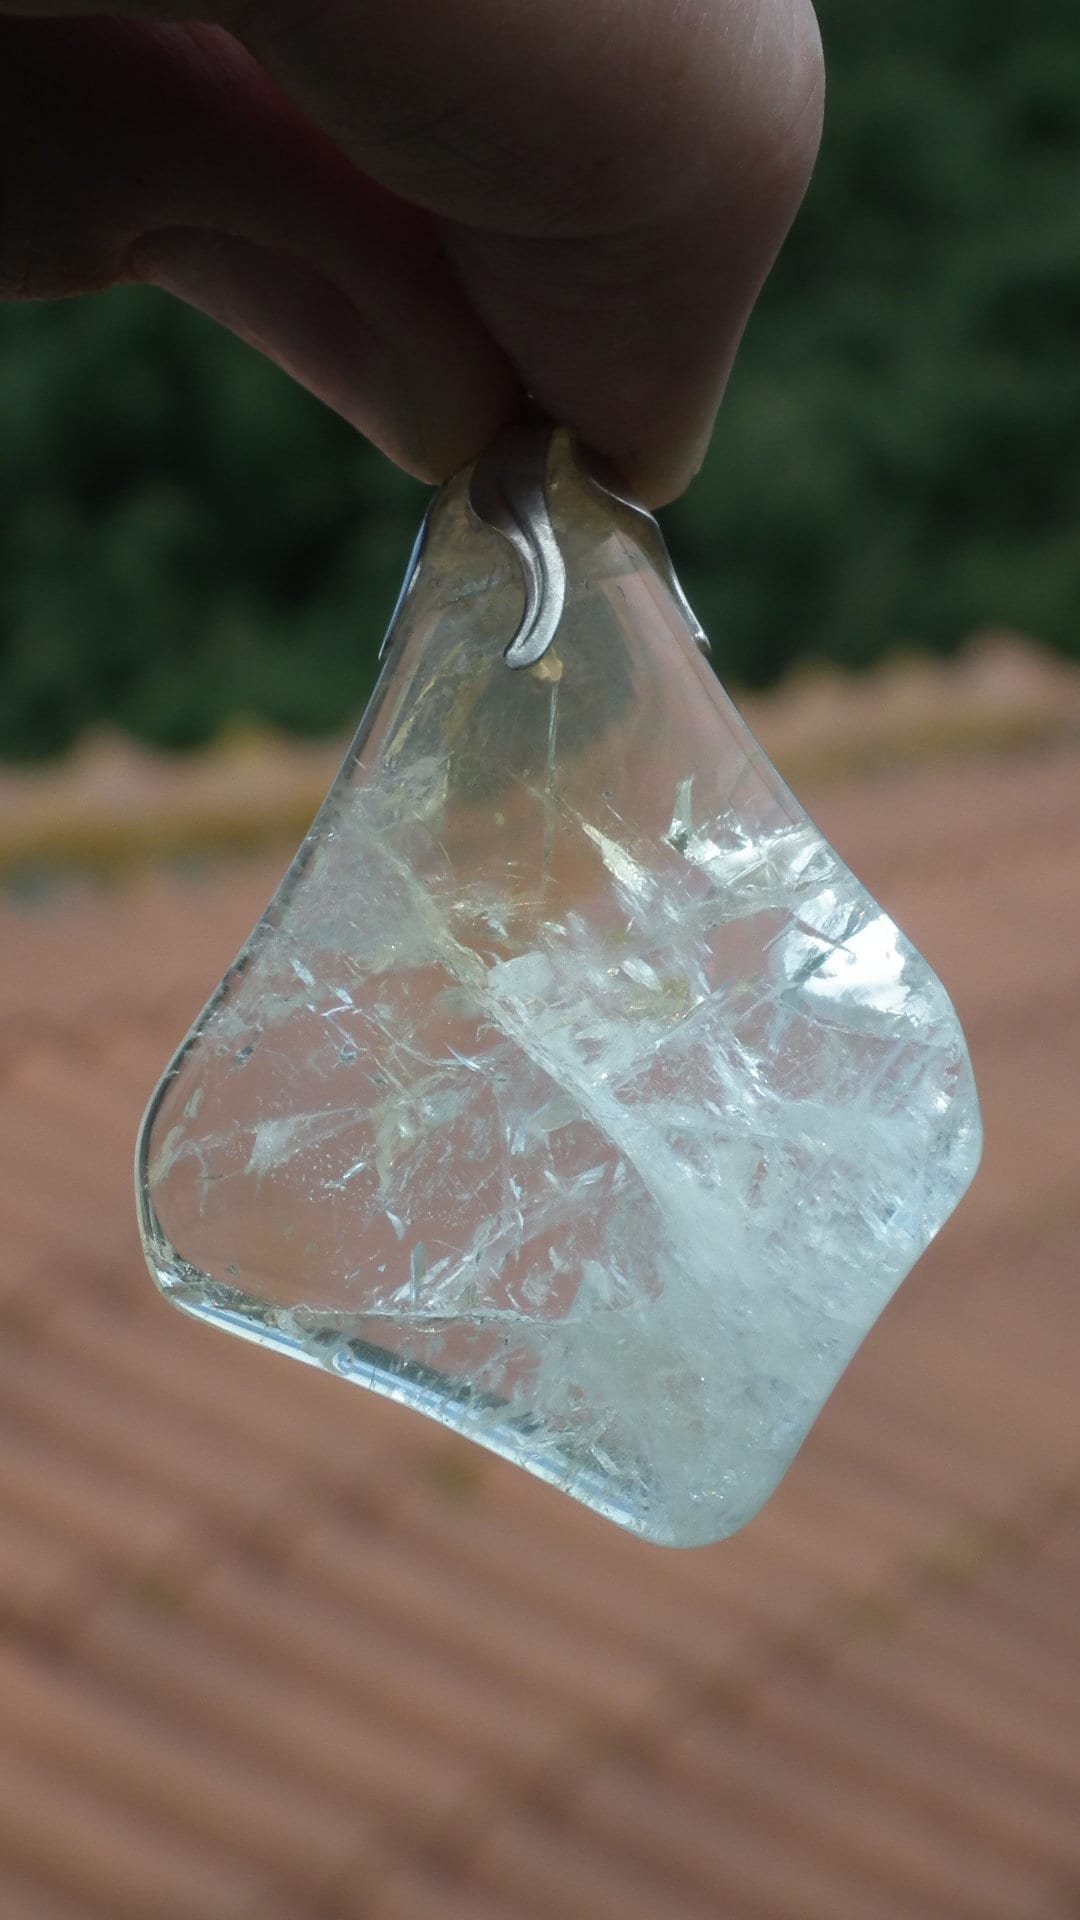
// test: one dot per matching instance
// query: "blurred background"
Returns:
(271, 1648)
(187, 539)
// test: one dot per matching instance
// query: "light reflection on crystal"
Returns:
(572, 1090)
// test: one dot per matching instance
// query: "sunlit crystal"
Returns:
(572, 1090)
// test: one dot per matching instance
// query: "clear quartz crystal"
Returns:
(571, 1090)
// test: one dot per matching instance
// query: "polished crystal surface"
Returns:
(572, 1090)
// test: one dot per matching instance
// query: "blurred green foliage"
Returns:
(186, 538)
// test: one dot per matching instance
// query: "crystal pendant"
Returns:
(571, 1090)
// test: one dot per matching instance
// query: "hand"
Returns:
(419, 207)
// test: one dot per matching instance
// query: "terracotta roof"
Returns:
(272, 1649)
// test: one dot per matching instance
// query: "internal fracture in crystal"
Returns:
(572, 1090)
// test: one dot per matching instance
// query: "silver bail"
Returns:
(508, 491)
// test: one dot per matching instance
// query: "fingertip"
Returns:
(428, 411)
(451, 404)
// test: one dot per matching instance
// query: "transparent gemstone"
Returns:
(571, 1090)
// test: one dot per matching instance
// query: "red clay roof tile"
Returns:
(270, 1647)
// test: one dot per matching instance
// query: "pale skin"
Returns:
(420, 208)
